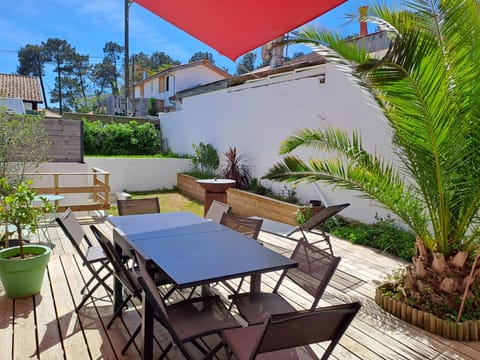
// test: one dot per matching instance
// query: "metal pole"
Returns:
(127, 60)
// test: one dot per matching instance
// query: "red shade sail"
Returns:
(234, 27)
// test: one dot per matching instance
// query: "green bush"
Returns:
(205, 160)
(383, 235)
(121, 139)
(152, 107)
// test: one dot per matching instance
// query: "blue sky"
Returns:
(89, 24)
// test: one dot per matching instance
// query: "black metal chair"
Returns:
(127, 278)
(279, 334)
(315, 269)
(186, 320)
(90, 255)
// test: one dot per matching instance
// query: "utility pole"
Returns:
(127, 59)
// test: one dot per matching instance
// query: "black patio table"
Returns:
(192, 251)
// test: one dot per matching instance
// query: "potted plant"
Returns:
(426, 87)
(22, 267)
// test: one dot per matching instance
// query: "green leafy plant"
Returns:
(426, 85)
(121, 139)
(384, 235)
(286, 194)
(303, 214)
(206, 159)
(18, 209)
(152, 107)
(23, 145)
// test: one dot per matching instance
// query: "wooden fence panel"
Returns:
(66, 139)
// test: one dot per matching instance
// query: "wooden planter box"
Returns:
(188, 185)
(460, 331)
(244, 202)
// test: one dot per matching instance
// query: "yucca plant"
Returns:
(427, 86)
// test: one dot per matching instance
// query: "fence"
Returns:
(83, 191)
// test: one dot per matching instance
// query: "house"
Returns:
(26, 88)
(163, 86)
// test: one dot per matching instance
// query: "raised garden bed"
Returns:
(244, 202)
(460, 331)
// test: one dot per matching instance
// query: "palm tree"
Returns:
(427, 86)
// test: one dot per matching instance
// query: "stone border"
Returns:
(462, 331)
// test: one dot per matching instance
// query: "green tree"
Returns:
(246, 64)
(199, 55)
(81, 69)
(32, 63)
(112, 54)
(427, 87)
(159, 59)
(59, 52)
(103, 76)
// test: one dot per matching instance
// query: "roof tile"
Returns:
(23, 87)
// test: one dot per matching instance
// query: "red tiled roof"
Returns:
(23, 87)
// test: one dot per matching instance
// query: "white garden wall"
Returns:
(137, 174)
(255, 118)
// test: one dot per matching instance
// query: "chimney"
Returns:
(363, 10)
(276, 59)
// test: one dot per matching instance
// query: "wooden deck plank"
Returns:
(373, 334)
(72, 334)
(49, 338)
(6, 326)
(24, 336)
(88, 319)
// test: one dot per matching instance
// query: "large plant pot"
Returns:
(23, 277)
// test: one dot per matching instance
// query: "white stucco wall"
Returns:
(136, 174)
(256, 118)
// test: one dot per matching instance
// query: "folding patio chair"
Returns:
(308, 227)
(127, 278)
(279, 334)
(315, 269)
(245, 225)
(216, 210)
(186, 320)
(89, 254)
(138, 206)
(242, 224)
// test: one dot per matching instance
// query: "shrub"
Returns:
(205, 160)
(121, 139)
(286, 194)
(152, 107)
(383, 235)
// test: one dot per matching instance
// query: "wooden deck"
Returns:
(46, 326)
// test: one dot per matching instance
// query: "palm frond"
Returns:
(427, 85)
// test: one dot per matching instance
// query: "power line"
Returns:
(89, 55)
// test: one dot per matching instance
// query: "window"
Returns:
(161, 84)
